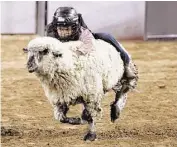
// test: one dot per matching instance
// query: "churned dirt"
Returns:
(149, 118)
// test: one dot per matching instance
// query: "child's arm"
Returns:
(88, 41)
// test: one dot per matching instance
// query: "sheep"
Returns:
(68, 78)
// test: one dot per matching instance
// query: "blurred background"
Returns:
(124, 20)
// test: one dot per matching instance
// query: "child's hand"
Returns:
(79, 53)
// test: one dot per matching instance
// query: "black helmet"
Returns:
(66, 24)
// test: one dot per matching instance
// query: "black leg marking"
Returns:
(63, 108)
(86, 116)
(91, 135)
(115, 112)
(74, 120)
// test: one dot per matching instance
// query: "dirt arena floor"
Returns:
(148, 120)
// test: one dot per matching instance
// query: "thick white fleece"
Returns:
(68, 76)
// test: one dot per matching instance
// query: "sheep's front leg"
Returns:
(89, 114)
(91, 135)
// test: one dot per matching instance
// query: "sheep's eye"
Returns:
(57, 55)
(44, 52)
(60, 55)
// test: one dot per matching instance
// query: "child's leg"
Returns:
(123, 53)
(110, 39)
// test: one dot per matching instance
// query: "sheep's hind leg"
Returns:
(119, 103)
(74, 120)
(60, 111)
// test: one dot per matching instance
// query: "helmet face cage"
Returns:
(67, 31)
(66, 25)
(64, 31)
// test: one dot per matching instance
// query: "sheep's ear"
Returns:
(25, 50)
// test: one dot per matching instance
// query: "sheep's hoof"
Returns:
(74, 120)
(115, 112)
(90, 136)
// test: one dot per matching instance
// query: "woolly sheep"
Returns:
(68, 78)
